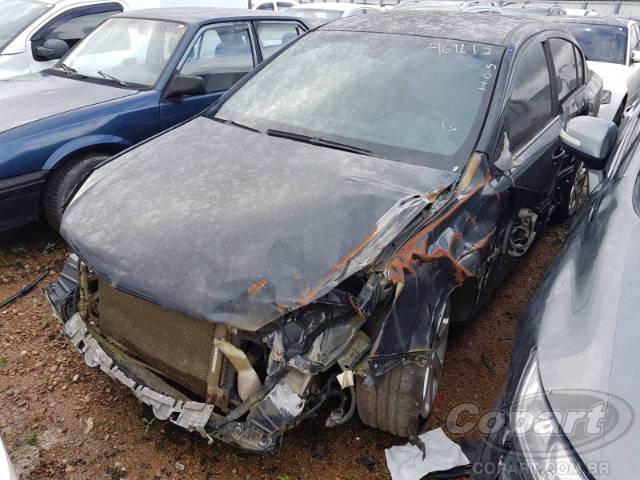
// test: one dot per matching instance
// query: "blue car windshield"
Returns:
(126, 50)
(601, 43)
(407, 98)
(18, 15)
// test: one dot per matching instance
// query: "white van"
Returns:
(34, 34)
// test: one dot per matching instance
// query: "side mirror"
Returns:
(591, 139)
(52, 49)
(185, 85)
(635, 56)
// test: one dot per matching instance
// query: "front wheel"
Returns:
(574, 190)
(404, 397)
(63, 181)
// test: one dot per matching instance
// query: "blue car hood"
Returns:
(35, 97)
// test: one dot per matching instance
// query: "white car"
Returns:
(316, 14)
(612, 49)
(34, 34)
(275, 6)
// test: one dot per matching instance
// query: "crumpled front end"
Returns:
(247, 383)
(245, 388)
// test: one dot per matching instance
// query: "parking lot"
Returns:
(62, 420)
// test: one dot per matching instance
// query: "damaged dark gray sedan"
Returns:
(313, 236)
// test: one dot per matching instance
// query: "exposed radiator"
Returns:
(176, 345)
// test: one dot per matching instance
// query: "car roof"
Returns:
(612, 21)
(470, 27)
(200, 15)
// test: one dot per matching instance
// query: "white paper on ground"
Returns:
(405, 461)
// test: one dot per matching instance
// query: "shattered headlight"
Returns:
(543, 449)
(605, 97)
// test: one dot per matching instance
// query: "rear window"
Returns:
(601, 43)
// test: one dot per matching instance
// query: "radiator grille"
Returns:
(177, 345)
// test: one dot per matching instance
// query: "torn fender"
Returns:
(447, 249)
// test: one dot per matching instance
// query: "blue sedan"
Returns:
(136, 75)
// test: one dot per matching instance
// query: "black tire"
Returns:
(393, 406)
(62, 182)
(397, 405)
(574, 190)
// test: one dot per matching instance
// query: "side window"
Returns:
(221, 56)
(72, 26)
(579, 65)
(564, 62)
(266, 6)
(529, 107)
(274, 35)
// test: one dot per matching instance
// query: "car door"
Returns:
(221, 55)
(274, 34)
(532, 127)
(70, 26)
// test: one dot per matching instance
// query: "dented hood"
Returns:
(238, 227)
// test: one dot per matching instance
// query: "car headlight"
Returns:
(543, 449)
(605, 97)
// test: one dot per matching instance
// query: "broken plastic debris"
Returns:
(405, 462)
(345, 379)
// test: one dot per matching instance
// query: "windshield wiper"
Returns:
(235, 124)
(111, 77)
(66, 68)
(318, 141)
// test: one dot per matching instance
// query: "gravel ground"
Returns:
(61, 419)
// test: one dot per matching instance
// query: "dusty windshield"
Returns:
(408, 98)
(18, 15)
(128, 51)
(601, 43)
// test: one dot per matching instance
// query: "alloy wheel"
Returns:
(433, 371)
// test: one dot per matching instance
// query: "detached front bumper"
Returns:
(192, 416)
(255, 422)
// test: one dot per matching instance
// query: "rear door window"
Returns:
(272, 36)
(564, 61)
(530, 105)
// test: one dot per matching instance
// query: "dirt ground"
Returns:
(60, 419)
